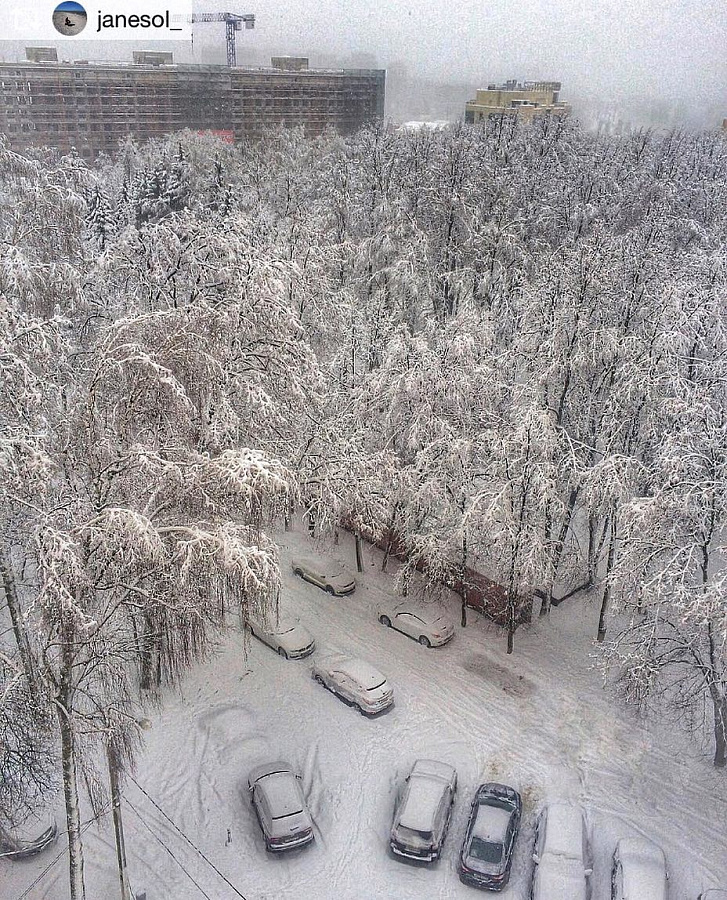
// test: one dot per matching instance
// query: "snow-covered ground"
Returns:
(539, 720)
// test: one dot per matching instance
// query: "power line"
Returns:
(156, 837)
(188, 840)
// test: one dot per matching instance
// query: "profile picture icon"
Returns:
(69, 18)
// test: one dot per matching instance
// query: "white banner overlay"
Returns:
(98, 20)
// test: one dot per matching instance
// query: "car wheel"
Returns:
(317, 677)
(424, 641)
(385, 620)
(329, 589)
(251, 631)
(298, 572)
(282, 652)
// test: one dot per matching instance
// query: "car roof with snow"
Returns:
(426, 612)
(643, 868)
(564, 830)
(358, 669)
(491, 823)
(561, 879)
(281, 789)
(433, 768)
(422, 801)
(280, 625)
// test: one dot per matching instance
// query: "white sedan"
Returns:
(424, 623)
(355, 682)
(328, 576)
(285, 635)
(639, 870)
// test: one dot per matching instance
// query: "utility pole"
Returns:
(118, 824)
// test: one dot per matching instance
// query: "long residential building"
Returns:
(92, 105)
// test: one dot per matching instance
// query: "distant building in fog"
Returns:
(92, 105)
(526, 101)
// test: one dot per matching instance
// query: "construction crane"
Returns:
(233, 22)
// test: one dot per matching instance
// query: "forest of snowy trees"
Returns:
(505, 343)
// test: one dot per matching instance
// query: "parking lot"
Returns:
(538, 720)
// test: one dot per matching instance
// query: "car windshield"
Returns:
(377, 686)
(486, 851)
(413, 833)
(284, 628)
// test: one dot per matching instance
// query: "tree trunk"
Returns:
(607, 589)
(720, 730)
(16, 617)
(150, 673)
(463, 578)
(359, 554)
(511, 620)
(70, 783)
(558, 551)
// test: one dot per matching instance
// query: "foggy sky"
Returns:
(642, 48)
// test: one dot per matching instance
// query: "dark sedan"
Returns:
(486, 856)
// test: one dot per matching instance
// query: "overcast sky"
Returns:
(639, 47)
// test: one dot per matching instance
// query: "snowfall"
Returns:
(540, 720)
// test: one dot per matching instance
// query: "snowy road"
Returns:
(538, 720)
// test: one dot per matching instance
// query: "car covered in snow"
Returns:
(639, 870)
(329, 576)
(284, 634)
(280, 806)
(713, 894)
(561, 855)
(424, 810)
(355, 682)
(486, 856)
(425, 623)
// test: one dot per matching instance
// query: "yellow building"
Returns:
(526, 101)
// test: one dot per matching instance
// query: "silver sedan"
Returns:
(328, 576)
(422, 622)
(285, 635)
(356, 682)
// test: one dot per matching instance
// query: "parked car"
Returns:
(424, 623)
(424, 810)
(280, 806)
(20, 848)
(713, 894)
(486, 856)
(639, 870)
(285, 635)
(329, 576)
(562, 854)
(355, 682)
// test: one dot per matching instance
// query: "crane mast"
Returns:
(233, 22)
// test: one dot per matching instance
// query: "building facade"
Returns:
(526, 101)
(91, 106)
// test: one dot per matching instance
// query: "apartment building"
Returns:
(525, 100)
(92, 105)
